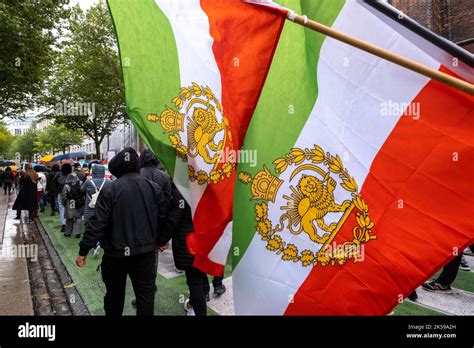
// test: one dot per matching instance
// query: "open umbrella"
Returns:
(7, 163)
(69, 156)
(46, 159)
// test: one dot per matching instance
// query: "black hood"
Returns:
(148, 159)
(126, 161)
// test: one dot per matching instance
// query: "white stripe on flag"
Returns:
(196, 64)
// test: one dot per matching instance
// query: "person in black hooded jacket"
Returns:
(179, 224)
(128, 219)
(150, 169)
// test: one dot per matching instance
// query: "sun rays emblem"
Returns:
(311, 207)
(197, 120)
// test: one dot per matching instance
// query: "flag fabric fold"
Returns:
(193, 73)
(361, 190)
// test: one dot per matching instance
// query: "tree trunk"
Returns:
(97, 149)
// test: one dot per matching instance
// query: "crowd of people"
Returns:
(132, 217)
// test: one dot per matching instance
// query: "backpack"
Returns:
(94, 197)
(75, 194)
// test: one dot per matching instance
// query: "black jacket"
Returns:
(178, 225)
(51, 184)
(149, 165)
(8, 177)
(129, 213)
(26, 199)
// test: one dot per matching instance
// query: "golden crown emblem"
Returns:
(306, 206)
(172, 121)
(265, 185)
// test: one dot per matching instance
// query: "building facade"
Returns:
(452, 19)
(19, 127)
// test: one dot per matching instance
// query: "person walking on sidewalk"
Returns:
(150, 169)
(73, 200)
(27, 195)
(52, 187)
(79, 172)
(128, 220)
(41, 187)
(92, 188)
(178, 225)
(60, 181)
(8, 180)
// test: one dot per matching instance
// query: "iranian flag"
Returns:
(193, 73)
(363, 186)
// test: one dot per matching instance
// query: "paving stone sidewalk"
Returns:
(15, 293)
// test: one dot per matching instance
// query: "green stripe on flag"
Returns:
(150, 65)
(287, 99)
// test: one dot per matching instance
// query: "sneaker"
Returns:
(63, 228)
(218, 291)
(434, 286)
(468, 252)
(96, 250)
(78, 235)
(134, 303)
(463, 265)
(188, 308)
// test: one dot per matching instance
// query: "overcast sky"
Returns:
(85, 4)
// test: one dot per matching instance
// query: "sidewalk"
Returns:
(15, 293)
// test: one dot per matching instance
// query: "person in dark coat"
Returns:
(178, 225)
(80, 174)
(128, 220)
(150, 169)
(73, 205)
(27, 197)
(60, 181)
(52, 187)
(8, 180)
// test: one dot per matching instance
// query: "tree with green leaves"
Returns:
(88, 77)
(29, 30)
(24, 145)
(6, 140)
(56, 137)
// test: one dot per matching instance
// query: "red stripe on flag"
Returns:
(415, 165)
(243, 49)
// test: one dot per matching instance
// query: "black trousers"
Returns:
(142, 272)
(7, 187)
(31, 214)
(216, 283)
(52, 200)
(196, 280)
(450, 271)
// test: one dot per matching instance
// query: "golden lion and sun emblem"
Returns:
(198, 117)
(309, 206)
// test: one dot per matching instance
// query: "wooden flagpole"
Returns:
(419, 68)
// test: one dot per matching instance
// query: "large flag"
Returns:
(363, 187)
(193, 73)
